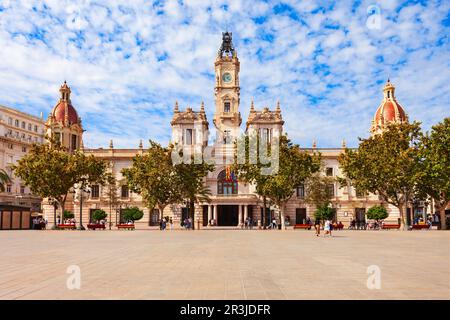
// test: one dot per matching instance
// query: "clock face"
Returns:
(226, 77)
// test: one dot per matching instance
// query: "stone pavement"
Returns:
(224, 264)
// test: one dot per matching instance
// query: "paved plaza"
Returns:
(224, 264)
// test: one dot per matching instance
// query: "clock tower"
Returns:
(227, 118)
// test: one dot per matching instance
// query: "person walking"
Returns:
(327, 227)
(317, 227)
(171, 224)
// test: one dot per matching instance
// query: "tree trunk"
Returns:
(161, 211)
(402, 209)
(283, 226)
(62, 205)
(263, 216)
(192, 212)
(442, 218)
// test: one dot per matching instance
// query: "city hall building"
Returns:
(232, 201)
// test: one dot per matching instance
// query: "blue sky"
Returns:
(127, 62)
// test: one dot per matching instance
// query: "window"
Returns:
(301, 191)
(95, 191)
(389, 94)
(10, 121)
(8, 188)
(23, 135)
(10, 146)
(266, 135)
(57, 136)
(329, 171)
(23, 124)
(330, 189)
(74, 142)
(16, 123)
(24, 149)
(29, 126)
(227, 106)
(300, 215)
(22, 189)
(227, 137)
(227, 182)
(35, 128)
(188, 139)
(10, 159)
(125, 193)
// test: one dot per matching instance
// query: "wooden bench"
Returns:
(67, 226)
(93, 226)
(388, 226)
(125, 226)
(420, 226)
(302, 226)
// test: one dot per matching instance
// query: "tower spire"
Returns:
(65, 92)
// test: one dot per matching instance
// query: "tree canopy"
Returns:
(433, 175)
(132, 213)
(99, 215)
(152, 175)
(377, 213)
(386, 164)
(293, 168)
(317, 192)
(51, 172)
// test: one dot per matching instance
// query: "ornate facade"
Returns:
(232, 201)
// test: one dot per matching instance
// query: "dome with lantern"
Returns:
(389, 111)
(64, 112)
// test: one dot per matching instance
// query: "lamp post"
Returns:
(82, 191)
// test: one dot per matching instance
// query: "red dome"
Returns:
(59, 112)
(388, 112)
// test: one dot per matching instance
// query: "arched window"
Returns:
(227, 183)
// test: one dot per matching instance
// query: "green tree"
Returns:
(289, 168)
(132, 213)
(317, 190)
(190, 182)
(434, 167)
(153, 176)
(385, 164)
(111, 194)
(4, 179)
(324, 213)
(99, 215)
(68, 214)
(51, 172)
(249, 168)
(377, 213)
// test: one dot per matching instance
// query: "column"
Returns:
(240, 215)
(216, 215)
(245, 212)
(209, 214)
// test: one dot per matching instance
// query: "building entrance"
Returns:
(228, 215)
